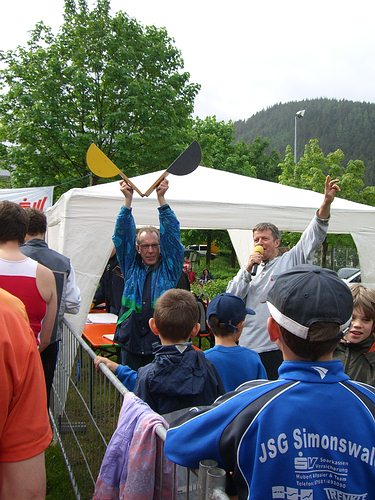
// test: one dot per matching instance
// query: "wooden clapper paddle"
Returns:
(102, 166)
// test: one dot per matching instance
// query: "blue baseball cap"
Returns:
(229, 309)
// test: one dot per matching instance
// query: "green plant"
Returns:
(222, 272)
(209, 290)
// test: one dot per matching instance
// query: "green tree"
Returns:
(265, 160)
(311, 170)
(103, 79)
(208, 237)
(219, 151)
(218, 148)
(369, 195)
(310, 173)
(336, 123)
(222, 152)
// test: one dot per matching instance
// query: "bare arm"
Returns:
(46, 284)
(127, 191)
(161, 190)
(107, 362)
(25, 479)
(330, 189)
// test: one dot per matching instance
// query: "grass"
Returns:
(59, 486)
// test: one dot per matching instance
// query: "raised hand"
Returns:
(127, 191)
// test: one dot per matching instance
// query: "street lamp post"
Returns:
(299, 114)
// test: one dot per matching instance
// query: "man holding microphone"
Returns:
(254, 280)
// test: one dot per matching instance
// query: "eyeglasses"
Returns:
(153, 246)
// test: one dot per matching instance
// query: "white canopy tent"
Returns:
(81, 223)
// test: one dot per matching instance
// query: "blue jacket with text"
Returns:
(308, 435)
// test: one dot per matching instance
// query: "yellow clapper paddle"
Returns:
(102, 166)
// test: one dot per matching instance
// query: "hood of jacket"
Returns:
(360, 347)
(178, 370)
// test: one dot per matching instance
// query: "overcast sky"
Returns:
(247, 55)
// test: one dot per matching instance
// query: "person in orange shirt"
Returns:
(25, 430)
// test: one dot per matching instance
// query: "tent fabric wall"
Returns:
(242, 241)
(82, 221)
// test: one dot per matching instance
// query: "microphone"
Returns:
(257, 249)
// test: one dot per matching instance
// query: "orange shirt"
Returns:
(24, 424)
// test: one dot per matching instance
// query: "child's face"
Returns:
(360, 328)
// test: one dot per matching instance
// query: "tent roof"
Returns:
(215, 199)
(81, 222)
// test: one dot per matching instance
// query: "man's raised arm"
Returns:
(331, 187)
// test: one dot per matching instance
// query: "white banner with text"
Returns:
(35, 197)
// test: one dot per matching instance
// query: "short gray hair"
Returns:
(265, 226)
(147, 229)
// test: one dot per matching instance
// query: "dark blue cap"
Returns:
(308, 294)
(229, 309)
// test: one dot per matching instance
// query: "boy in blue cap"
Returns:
(225, 318)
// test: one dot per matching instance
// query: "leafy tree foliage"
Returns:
(265, 160)
(310, 173)
(207, 237)
(338, 124)
(209, 290)
(101, 79)
(218, 147)
(220, 151)
(313, 167)
(5, 183)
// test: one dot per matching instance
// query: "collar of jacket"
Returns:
(36, 242)
(148, 268)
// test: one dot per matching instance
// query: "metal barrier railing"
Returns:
(85, 405)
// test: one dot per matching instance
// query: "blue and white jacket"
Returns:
(132, 331)
(308, 435)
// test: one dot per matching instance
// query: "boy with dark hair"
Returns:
(179, 376)
(24, 277)
(309, 434)
(225, 318)
(355, 348)
(13, 222)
